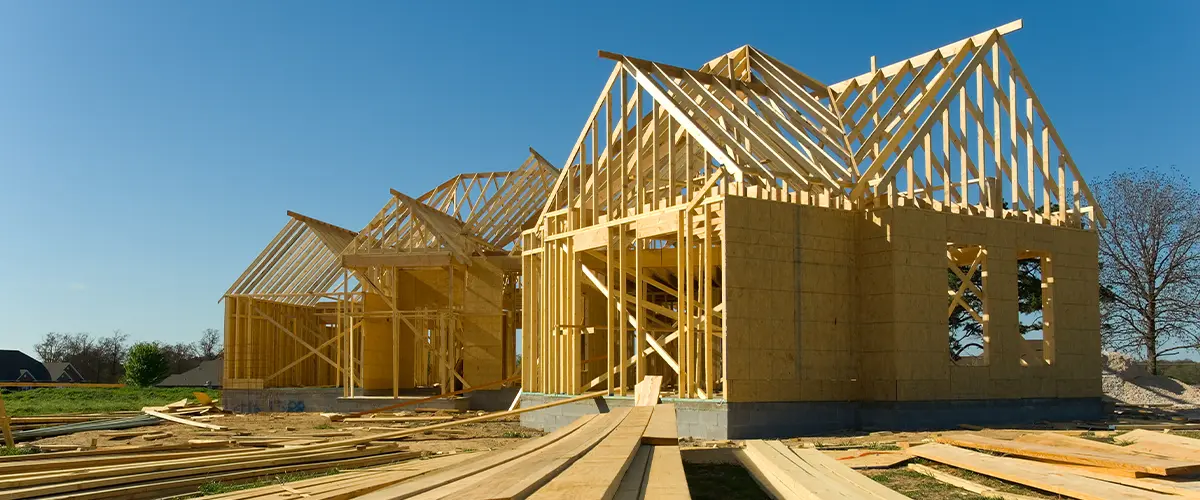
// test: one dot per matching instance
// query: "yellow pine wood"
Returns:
(1126, 461)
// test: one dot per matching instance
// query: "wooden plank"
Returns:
(519, 478)
(664, 477)
(783, 478)
(839, 472)
(355, 487)
(1032, 474)
(4, 425)
(400, 419)
(88, 481)
(51, 462)
(645, 393)
(965, 484)
(633, 482)
(1149, 463)
(188, 485)
(598, 473)
(662, 429)
(184, 421)
(413, 488)
(1170, 445)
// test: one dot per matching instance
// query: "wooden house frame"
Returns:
(424, 295)
(753, 234)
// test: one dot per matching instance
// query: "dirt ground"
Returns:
(480, 436)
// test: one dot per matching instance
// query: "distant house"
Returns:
(16, 366)
(64, 372)
(208, 373)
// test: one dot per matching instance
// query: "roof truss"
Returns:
(957, 129)
(298, 265)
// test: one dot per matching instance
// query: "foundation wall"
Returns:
(329, 399)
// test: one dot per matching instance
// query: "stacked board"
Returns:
(628, 453)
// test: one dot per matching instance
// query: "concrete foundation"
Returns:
(709, 419)
(329, 399)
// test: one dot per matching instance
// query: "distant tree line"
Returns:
(103, 359)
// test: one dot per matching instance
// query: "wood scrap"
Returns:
(157, 435)
(868, 459)
(184, 421)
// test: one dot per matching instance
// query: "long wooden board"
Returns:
(665, 479)
(662, 429)
(633, 482)
(184, 421)
(822, 463)
(517, 478)
(1170, 445)
(409, 489)
(600, 470)
(785, 479)
(1148, 463)
(1032, 474)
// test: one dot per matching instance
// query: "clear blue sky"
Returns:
(149, 150)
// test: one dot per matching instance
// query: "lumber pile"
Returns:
(1154, 466)
(158, 471)
(628, 453)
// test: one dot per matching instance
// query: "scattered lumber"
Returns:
(157, 435)
(966, 484)
(807, 473)
(154, 412)
(1035, 475)
(152, 476)
(1083, 456)
(596, 456)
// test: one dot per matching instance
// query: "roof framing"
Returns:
(957, 129)
(299, 265)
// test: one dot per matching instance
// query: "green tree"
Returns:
(146, 365)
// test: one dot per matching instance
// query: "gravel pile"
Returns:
(1127, 382)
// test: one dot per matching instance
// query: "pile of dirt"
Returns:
(1128, 382)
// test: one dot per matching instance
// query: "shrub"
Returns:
(146, 365)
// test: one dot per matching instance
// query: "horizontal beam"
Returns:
(424, 259)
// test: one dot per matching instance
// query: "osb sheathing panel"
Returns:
(798, 342)
(377, 349)
(481, 291)
(916, 243)
(833, 305)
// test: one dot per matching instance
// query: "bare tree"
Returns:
(1150, 263)
(210, 345)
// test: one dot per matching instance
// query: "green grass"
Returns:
(217, 487)
(721, 482)
(6, 451)
(915, 485)
(324, 427)
(55, 400)
(511, 434)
